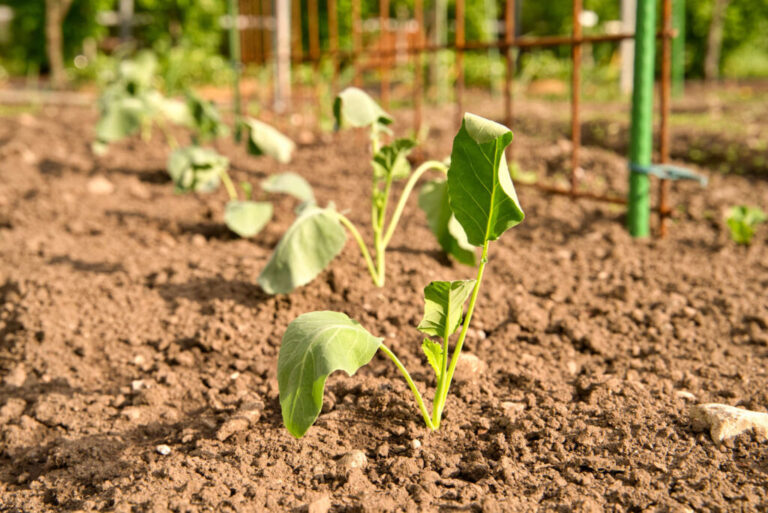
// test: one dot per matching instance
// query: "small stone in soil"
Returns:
(232, 426)
(469, 367)
(100, 186)
(352, 460)
(321, 505)
(726, 421)
(684, 394)
(163, 450)
(415, 444)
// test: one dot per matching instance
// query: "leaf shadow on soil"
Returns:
(82, 265)
(204, 290)
(435, 254)
(153, 176)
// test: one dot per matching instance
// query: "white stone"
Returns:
(415, 444)
(684, 394)
(469, 367)
(353, 459)
(100, 186)
(163, 450)
(726, 421)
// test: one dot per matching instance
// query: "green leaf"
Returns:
(247, 218)
(354, 108)
(266, 140)
(121, 117)
(434, 352)
(205, 118)
(197, 169)
(392, 160)
(315, 345)
(481, 193)
(443, 306)
(309, 245)
(742, 221)
(289, 183)
(433, 200)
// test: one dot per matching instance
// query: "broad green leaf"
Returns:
(354, 108)
(175, 111)
(247, 218)
(315, 345)
(443, 306)
(289, 183)
(196, 169)
(267, 140)
(309, 245)
(742, 221)
(205, 117)
(139, 72)
(433, 200)
(481, 193)
(392, 160)
(434, 352)
(121, 117)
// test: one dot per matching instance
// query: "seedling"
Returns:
(318, 234)
(482, 197)
(742, 221)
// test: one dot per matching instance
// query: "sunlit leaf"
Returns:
(433, 200)
(481, 193)
(434, 353)
(315, 345)
(267, 140)
(196, 169)
(443, 306)
(247, 218)
(289, 183)
(309, 245)
(392, 160)
(354, 108)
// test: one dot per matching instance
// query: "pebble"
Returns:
(415, 444)
(163, 450)
(199, 240)
(232, 426)
(100, 186)
(137, 385)
(684, 394)
(726, 421)
(469, 367)
(352, 460)
(321, 505)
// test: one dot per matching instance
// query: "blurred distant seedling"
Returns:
(742, 221)
(483, 201)
(318, 236)
(131, 103)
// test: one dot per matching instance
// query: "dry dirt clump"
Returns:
(138, 356)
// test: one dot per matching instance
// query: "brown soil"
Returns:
(132, 319)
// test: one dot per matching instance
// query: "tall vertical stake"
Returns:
(333, 44)
(678, 48)
(383, 55)
(357, 42)
(282, 56)
(665, 109)
(575, 95)
(460, 41)
(234, 55)
(641, 129)
(418, 14)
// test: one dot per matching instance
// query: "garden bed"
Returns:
(132, 320)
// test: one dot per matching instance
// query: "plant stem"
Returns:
(440, 401)
(423, 168)
(360, 242)
(229, 185)
(412, 385)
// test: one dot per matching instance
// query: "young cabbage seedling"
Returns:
(318, 234)
(742, 221)
(483, 200)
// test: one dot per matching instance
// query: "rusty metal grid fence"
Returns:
(257, 43)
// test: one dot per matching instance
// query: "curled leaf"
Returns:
(247, 218)
(267, 140)
(480, 190)
(392, 160)
(434, 353)
(307, 247)
(354, 108)
(197, 169)
(316, 344)
(433, 200)
(289, 183)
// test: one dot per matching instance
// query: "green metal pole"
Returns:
(678, 48)
(641, 131)
(234, 55)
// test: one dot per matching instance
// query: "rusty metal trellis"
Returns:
(256, 42)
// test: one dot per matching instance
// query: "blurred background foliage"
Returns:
(187, 36)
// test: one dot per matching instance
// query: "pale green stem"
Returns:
(169, 138)
(411, 384)
(360, 242)
(229, 185)
(440, 404)
(426, 166)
